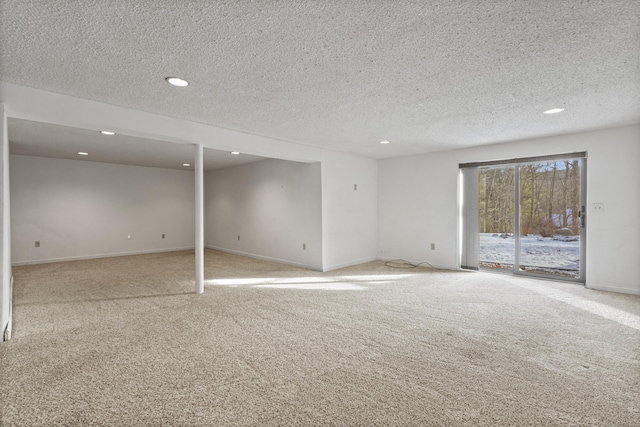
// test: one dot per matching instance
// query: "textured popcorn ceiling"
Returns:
(343, 75)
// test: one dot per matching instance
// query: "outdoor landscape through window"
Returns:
(549, 220)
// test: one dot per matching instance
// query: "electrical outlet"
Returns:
(37, 243)
(433, 246)
(129, 237)
(597, 207)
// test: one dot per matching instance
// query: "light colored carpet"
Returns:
(126, 342)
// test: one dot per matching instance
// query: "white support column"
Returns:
(5, 231)
(199, 177)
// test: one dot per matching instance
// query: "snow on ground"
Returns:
(558, 254)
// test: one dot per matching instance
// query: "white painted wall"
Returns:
(350, 234)
(5, 232)
(418, 202)
(349, 216)
(82, 209)
(273, 205)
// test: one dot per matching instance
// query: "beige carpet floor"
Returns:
(126, 342)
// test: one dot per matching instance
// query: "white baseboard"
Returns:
(96, 256)
(265, 258)
(613, 289)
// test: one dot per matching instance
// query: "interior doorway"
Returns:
(529, 215)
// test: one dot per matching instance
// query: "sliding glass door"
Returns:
(529, 216)
(551, 218)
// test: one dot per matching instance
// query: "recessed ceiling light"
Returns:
(186, 165)
(177, 81)
(385, 142)
(83, 153)
(107, 132)
(235, 153)
(553, 111)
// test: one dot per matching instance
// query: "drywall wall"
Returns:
(273, 205)
(349, 214)
(418, 206)
(5, 232)
(418, 202)
(81, 209)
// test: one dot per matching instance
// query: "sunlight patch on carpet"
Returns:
(620, 316)
(327, 286)
(337, 283)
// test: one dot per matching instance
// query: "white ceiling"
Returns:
(343, 75)
(46, 140)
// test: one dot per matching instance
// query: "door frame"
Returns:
(516, 163)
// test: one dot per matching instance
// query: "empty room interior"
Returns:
(320, 213)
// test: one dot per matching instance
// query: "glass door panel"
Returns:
(496, 188)
(550, 218)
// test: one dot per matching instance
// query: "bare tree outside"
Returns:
(497, 216)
